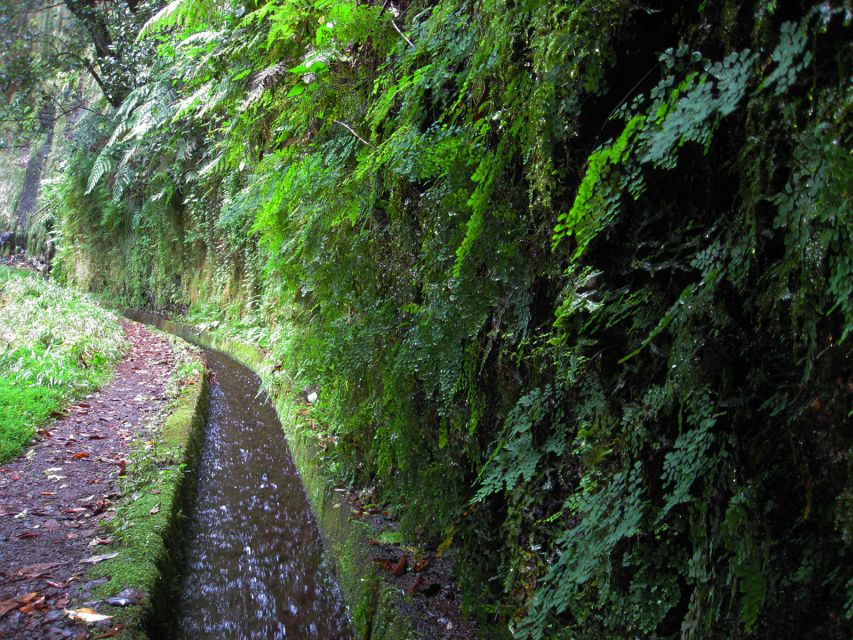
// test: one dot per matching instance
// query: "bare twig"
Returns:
(352, 131)
(403, 35)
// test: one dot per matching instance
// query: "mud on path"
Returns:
(55, 496)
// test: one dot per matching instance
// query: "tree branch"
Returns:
(352, 131)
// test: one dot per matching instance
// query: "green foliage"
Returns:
(54, 346)
(579, 306)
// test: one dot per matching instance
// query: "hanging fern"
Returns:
(103, 165)
(182, 13)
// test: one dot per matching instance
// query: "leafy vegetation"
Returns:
(573, 280)
(55, 345)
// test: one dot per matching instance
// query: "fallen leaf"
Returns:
(37, 570)
(55, 584)
(51, 525)
(89, 616)
(97, 541)
(100, 506)
(414, 586)
(8, 605)
(47, 493)
(112, 632)
(44, 432)
(127, 598)
(34, 606)
(155, 509)
(97, 559)
(28, 598)
(27, 535)
(80, 455)
(400, 568)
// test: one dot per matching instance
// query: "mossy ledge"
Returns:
(152, 544)
(372, 602)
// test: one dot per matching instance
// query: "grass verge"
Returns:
(56, 345)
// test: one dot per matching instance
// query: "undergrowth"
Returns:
(55, 345)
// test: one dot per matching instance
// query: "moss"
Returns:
(150, 544)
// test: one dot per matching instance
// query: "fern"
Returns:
(184, 13)
(103, 165)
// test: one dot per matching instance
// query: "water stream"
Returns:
(255, 556)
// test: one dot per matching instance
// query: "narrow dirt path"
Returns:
(53, 497)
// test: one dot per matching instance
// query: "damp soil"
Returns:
(55, 497)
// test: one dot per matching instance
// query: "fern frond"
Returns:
(184, 13)
(103, 164)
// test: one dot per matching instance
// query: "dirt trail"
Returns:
(53, 497)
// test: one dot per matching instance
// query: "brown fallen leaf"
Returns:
(87, 615)
(27, 535)
(55, 584)
(384, 563)
(111, 633)
(47, 493)
(51, 525)
(34, 606)
(8, 605)
(44, 433)
(400, 568)
(155, 509)
(80, 454)
(37, 570)
(100, 541)
(28, 598)
(414, 586)
(100, 506)
(97, 559)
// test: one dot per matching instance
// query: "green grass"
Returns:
(55, 345)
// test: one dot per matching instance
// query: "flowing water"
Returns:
(255, 565)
